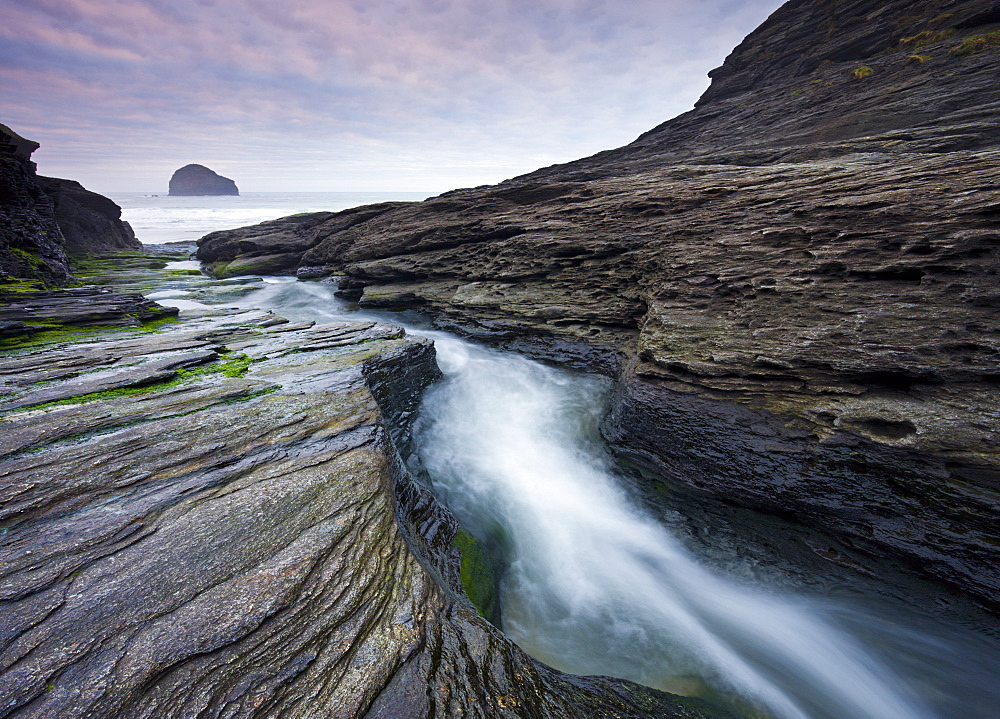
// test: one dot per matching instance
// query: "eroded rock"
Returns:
(812, 250)
(76, 307)
(31, 243)
(277, 246)
(90, 223)
(237, 536)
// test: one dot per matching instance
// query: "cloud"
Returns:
(344, 94)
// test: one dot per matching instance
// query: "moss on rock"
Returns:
(976, 43)
(261, 265)
(479, 574)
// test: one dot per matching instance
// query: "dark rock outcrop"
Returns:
(278, 246)
(90, 223)
(199, 180)
(795, 282)
(214, 521)
(43, 218)
(31, 243)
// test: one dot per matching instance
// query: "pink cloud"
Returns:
(532, 82)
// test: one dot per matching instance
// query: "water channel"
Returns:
(596, 583)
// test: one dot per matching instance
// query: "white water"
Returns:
(596, 586)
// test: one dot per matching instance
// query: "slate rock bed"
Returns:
(213, 520)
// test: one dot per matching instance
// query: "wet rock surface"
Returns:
(213, 519)
(28, 312)
(795, 282)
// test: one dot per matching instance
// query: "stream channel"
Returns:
(598, 580)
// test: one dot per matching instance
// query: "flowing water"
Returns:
(595, 585)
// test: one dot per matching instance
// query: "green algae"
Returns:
(129, 271)
(17, 285)
(235, 365)
(29, 258)
(243, 266)
(479, 576)
(976, 43)
(34, 274)
(228, 365)
(48, 333)
(926, 37)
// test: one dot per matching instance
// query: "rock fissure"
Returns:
(180, 554)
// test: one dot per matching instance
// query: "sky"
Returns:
(349, 95)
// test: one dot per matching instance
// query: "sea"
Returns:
(160, 218)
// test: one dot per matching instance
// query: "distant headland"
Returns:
(199, 180)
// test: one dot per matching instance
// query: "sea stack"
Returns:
(199, 180)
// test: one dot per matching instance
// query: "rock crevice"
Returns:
(236, 535)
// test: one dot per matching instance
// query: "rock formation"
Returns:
(199, 180)
(31, 244)
(25, 313)
(277, 247)
(90, 223)
(795, 283)
(214, 520)
(43, 218)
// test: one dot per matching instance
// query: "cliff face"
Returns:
(43, 218)
(31, 243)
(90, 223)
(199, 180)
(795, 283)
(822, 79)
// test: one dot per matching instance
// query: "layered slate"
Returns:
(795, 283)
(213, 520)
(31, 243)
(25, 313)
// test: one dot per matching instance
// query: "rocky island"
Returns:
(194, 180)
(792, 288)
